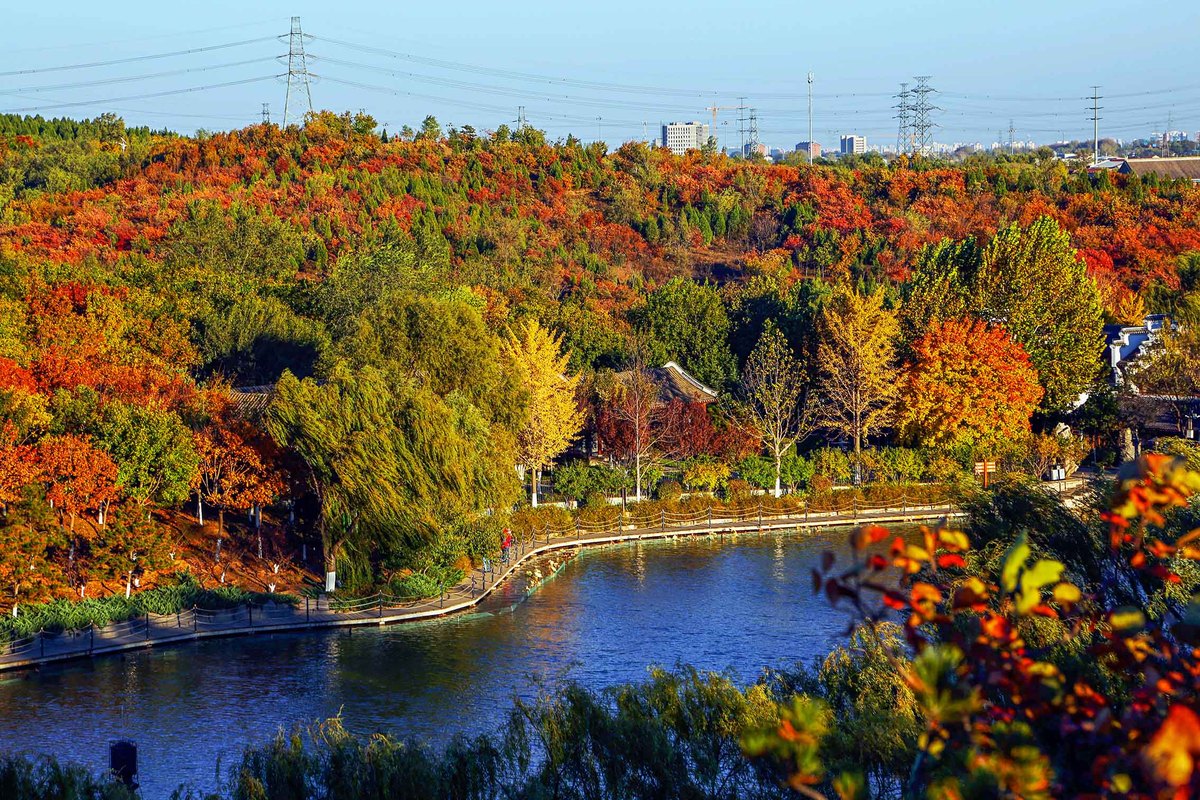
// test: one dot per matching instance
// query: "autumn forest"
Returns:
(412, 299)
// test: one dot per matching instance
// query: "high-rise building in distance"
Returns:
(853, 145)
(679, 137)
(807, 147)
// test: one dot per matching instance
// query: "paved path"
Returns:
(153, 630)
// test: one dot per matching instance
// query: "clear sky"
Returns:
(625, 61)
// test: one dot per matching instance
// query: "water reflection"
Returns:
(609, 614)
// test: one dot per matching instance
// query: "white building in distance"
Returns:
(853, 145)
(679, 137)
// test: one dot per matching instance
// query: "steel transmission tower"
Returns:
(902, 114)
(266, 114)
(922, 116)
(297, 74)
(754, 131)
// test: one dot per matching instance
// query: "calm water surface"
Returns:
(740, 605)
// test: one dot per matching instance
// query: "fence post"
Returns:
(710, 516)
(195, 624)
(662, 525)
(307, 618)
(760, 518)
(381, 602)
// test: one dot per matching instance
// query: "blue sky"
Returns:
(625, 62)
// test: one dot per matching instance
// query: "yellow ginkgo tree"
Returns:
(553, 418)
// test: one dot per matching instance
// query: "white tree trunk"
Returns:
(128, 584)
(637, 477)
(330, 581)
(533, 486)
(200, 510)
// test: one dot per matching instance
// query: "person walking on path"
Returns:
(506, 544)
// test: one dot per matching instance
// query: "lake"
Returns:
(738, 604)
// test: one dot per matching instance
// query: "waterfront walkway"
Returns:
(152, 630)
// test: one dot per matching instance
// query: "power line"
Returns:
(564, 81)
(133, 59)
(132, 78)
(146, 96)
(503, 90)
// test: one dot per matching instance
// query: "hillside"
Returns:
(143, 273)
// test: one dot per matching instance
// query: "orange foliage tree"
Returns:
(969, 383)
(80, 478)
(233, 473)
(1108, 706)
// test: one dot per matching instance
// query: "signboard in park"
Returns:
(984, 468)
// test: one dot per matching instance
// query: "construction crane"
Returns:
(715, 109)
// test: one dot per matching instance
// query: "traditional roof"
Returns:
(249, 402)
(1127, 343)
(676, 383)
(1171, 168)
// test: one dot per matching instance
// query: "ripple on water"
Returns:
(732, 605)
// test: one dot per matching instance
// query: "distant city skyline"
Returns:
(617, 73)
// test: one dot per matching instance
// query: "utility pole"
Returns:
(741, 127)
(922, 111)
(297, 72)
(521, 118)
(810, 134)
(266, 113)
(1011, 145)
(1096, 125)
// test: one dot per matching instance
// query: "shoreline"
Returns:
(196, 624)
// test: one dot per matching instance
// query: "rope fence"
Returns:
(323, 611)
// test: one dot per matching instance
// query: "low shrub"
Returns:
(738, 491)
(419, 585)
(527, 520)
(60, 615)
(670, 491)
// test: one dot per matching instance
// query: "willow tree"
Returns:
(339, 431)
(856, 358)
(552, 418)
(773, 391)
(391, 466)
